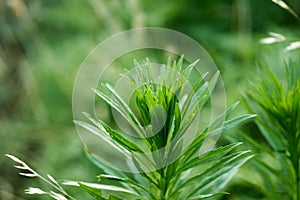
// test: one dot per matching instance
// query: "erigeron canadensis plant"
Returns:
(276, 102)
(171, 170)
(277, 105)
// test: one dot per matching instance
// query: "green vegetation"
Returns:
(171, 171)
(42, 44)
(277, 105)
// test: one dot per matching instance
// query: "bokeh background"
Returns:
(43, 42)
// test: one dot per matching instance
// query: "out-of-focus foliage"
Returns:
(42, 44)
(277, 104)
(273, 173)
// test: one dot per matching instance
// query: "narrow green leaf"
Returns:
(213, 81)
(104, 137)
(229, 124)
(114, 134)
(190, 151)
(119, 105)
(231, 109)
(200, 85)
(140, 188)
(112, 197)
(150, 176)
(189, 68)
(276, 141)
(212, 155)
(218, 168)
(120, 139)
(97, 194)
(205, 196)
(101, 187)
(225, 167)
(256, 144)
(103, 165)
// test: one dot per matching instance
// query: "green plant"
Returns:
(277, 105)
(171, 170)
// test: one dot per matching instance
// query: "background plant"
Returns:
(274, 97)
(277, 105)
(293, 43)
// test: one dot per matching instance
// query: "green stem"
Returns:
(162, 184)
(297, 175)
(162, 189)
(294, 157)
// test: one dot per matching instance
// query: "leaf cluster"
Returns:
(277, 105)
(172, 170)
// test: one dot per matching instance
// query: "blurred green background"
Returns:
(43, 42)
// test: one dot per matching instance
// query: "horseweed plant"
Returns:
(171, 170)
(277, 105)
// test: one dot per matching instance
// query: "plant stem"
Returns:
(297, 176)
(294, 158)
(162, 185)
